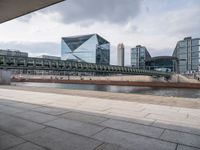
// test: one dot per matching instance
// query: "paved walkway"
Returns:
(45, 121)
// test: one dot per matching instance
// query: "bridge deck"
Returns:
(28, 63)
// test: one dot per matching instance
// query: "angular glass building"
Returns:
(86, 48)
(188, 53)
(139, 55)
(162, 63)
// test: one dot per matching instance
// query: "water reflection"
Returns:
(188, 93)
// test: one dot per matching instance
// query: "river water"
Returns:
(173, 92)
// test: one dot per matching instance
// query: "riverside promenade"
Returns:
(57, 119)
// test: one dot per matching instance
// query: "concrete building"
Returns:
(15, 53)
(162, 63)
(139, 55)
(50, 57)
(120, 54)
(188, 53)
(11, 9)
(86, 48)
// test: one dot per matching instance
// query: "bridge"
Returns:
(32, 63)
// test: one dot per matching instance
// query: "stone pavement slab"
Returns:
(131, 119)
(133, 141)
(51, 110)
(181, 147)
(27, 146)
(17, 126)
(134, 128)
(181, 138)
(110, 147)
(84, 117)
(173, 118)
(73, 126)
(183, 127)
(25, 105)
(55, 139)
(35, 116)
(7, 141)
(7, 102)
(2, 133)
(10, 110)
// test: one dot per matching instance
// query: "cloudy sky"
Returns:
(156, 24)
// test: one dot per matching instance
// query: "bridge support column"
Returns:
(5, 77)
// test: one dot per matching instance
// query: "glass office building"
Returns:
(86, 48)
(188, 53)
(139, 55)
(162, 63)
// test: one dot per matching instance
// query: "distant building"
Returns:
(50, 57)
(139, 55)
(120, 54)
(14, 53)
(162, 63)
(86, 48)
(188, 53)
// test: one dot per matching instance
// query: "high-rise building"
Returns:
(120, 54)
(86, 48)
(139, 55)
(188, 53)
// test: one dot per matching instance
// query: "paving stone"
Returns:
(110, 147)
(134, 128)
(51, 110)
(181, 138)
(7, 141)
(168, 117)
(17, 126)
(36, 116)
(173, 118)
(117, 112)
(183, 127)
(55, 139)
(2, 133)
(133, 141)
(128, 118)
(10, 110)
(25, 105)
(84, 117)
(78, 127)
(181, 147)
(7, 102)
(27, 146)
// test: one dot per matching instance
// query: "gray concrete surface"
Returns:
(47, 121)
(5, 77)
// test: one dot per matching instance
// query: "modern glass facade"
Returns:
(188, 53)
(139, 55)
(162, 63)
(86, 48)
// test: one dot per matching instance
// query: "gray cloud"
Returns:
(114, 11)
(34, 49)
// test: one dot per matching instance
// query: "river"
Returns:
(173, 92)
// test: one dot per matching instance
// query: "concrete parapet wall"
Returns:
(5, 77)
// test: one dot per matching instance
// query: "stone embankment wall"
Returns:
(5, 77)
(137, 78)
(101, 78)
(182, 79)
